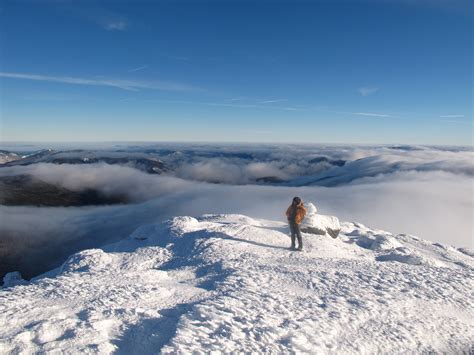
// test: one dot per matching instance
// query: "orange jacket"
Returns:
(297, 214)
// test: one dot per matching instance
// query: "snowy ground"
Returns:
(229, 283)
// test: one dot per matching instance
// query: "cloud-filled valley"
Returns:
(424, 191)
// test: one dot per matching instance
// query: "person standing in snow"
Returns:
(295, 214)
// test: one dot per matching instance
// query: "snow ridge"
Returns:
(229, 283)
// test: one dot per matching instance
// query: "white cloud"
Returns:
(111, 22)
(370, 114)
(458, 122)
(225, 105)
(367, 90)
(138, 68)
(231, 105)
(272, 101)
(129, 85)
(115, 26)
(451, 116)
(177, 57)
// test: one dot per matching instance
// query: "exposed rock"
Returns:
(317, 160)
(270, 179)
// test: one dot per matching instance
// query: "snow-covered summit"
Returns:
(229, 283)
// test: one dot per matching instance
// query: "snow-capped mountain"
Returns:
(6, 156)
(229, 283)
(138, 161)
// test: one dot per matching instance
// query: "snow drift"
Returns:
(229, 283)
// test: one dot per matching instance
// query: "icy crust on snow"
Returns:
(229, 283)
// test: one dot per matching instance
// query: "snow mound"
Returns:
(385, 242)
(92, 260)
(315, 223)
(402, 255)
(229, 218)
(228, 283)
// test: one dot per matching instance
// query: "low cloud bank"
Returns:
(302, 165)
(296, 164)
(236, 173)
(111, 180)
(437, 207)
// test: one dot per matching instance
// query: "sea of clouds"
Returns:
(423, 191)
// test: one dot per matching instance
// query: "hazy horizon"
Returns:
(6, 143)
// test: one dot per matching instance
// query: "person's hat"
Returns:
(296, 200)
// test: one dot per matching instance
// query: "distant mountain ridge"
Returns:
(151, 160)
(75, 157)
(294, 168)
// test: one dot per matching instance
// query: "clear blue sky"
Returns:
(258, 71)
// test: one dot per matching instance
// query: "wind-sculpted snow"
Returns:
(228, 283)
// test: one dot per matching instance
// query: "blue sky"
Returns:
(237, 71)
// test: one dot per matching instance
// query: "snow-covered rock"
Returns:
(13, 279)
(315, 223)
(228, 283)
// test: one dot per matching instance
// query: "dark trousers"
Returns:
(296, 233)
